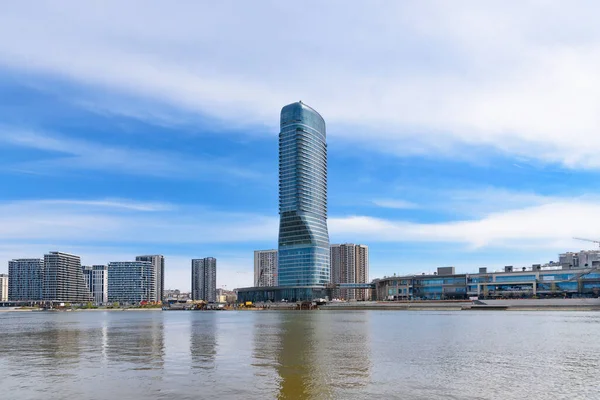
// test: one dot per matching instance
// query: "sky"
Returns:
(459, 133)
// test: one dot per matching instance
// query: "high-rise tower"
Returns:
(303, 237)
(204, 279)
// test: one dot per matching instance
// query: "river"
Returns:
(299, 355)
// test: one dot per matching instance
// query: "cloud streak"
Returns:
(71, 154)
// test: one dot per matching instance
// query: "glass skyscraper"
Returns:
(303, 237)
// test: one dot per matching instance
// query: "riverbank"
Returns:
(503, 305)
(18, 309)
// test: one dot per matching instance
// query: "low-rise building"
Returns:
(524, 283)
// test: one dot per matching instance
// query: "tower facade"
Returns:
(303, 237)
(204, 279)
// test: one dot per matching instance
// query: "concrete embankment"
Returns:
(508, 305)
(393, 305)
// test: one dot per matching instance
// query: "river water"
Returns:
(299, 355)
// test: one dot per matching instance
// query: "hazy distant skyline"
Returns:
(460, 133)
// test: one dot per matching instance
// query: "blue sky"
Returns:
(459, 134)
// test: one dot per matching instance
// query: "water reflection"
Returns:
(312, 357)
(203, 341)
(137, 341)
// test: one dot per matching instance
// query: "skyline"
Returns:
(457, 134)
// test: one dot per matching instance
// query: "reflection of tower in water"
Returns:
(322, 354)
(203, 341)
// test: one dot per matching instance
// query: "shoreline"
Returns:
(10, 309)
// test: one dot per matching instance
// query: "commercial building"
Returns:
(26, 279)
(265, 268)
(303, 249)
(3, 287)
(303, 235)
(535, 282)
(131, 282)
(158, 262)
(96, 279)
(204, 279)
(63, 279)
(350, 265)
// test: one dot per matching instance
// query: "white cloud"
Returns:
(395, 203)
(86, 155)
(76, 221)
(432, 78)
(549, 226)
(110, 203)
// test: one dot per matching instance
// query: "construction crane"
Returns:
(588, 240)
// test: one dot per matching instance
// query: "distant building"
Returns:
(226, 296)
(176, 294)
(26, 279)
(96, 279)
(350, 264)
(3, 287)
(204, 279)
(581, 259)
(158, 262)
(265, 268)
(63, 278)
(131, 282)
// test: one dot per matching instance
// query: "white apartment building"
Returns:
(3, 287)
(96, 279)
(265, 268)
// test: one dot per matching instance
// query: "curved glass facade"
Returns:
(303, 236)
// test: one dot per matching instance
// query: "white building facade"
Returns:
(265, 268)
(96, 279)
(3, 287)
